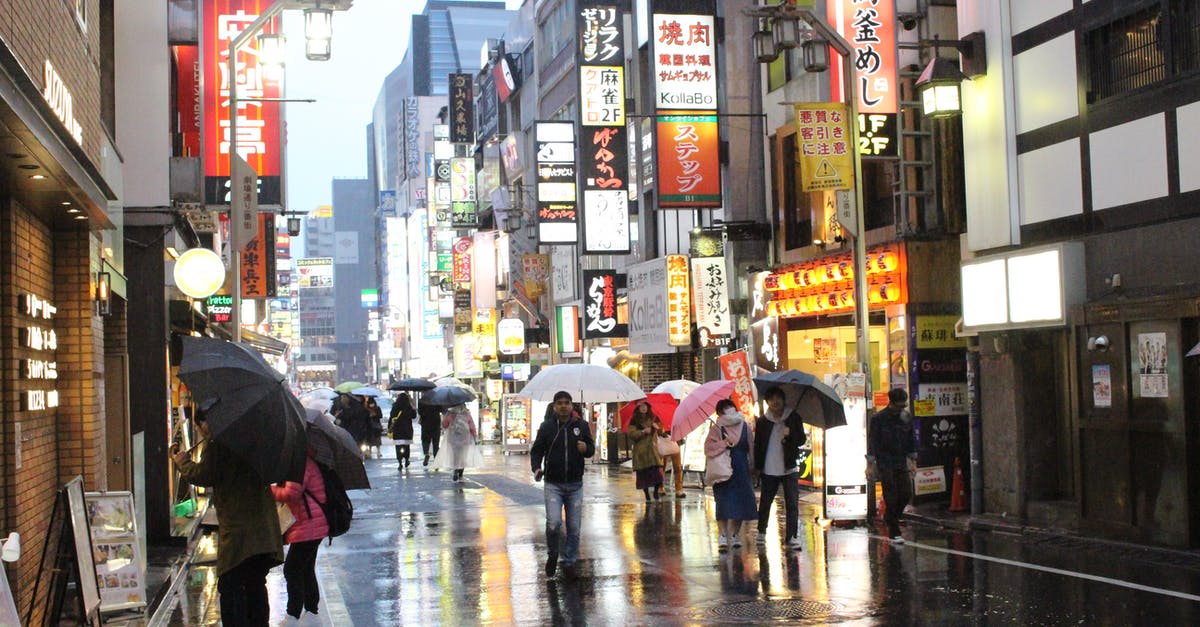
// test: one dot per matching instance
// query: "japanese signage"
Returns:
(258, 122)
(877, 135)
(710, 301)
(562, 273)
(314, 272)
(535, 269)
(647, 292)
(764, 337)
(604, 171)
(461, 314)
(601, 40)
(600, 305)
(488, 121)
(938, 332)
(462, 193)
(485, 332)
(685, 62)
(462, 109)
(870, 28)
(555, 146)
(413, 146)
(461, 273)
(466, 356)
(679, 302)
(510, 336)
(948, 399)
(689, 165)
(601, 96)
(736, 367)
(219, 308)
(187, 97)
(244, 200)
(387, 203)
(258, 261)
(38, 343)
(826, 285)
(483, 269)
(823, 144)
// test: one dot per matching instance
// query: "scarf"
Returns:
(732, 420)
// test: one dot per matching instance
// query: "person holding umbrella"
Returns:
(458, 450)
(303, 538)
(643, 433)
(431, 429)
(248, 540)
(400, 428)
(778, 438)
(734, 496)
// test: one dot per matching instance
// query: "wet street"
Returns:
(426, 551)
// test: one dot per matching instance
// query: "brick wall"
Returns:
(665, 367)
(41, 30)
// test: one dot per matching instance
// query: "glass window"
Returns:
(1143, 48)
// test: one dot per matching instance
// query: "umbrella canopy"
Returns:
(677, 388)
(322, 393)
(366, 391)
(697, 406)
(450, 382)
(334, 448)
(818, 404)
(247, 405)
(663, 406)
(447, 396)
(586, 383)
(346, 386)
(411, 384)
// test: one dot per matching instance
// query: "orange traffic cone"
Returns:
(958, 490)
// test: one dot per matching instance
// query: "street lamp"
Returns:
(236, 221)
(318, 33)
(939, 82)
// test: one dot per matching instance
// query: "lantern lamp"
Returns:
(765, 49)
(815, 53)
(318, 33)
(199, 273)
(940, 81)
(786, 29)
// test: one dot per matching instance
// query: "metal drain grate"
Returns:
(783, 608)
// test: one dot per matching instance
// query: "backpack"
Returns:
(337, 507)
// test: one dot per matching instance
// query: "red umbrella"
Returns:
(663, 406)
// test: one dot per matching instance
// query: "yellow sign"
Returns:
(823, 147)
(485, 332)
(938, 332)
(924, 406)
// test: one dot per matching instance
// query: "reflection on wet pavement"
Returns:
(423, 550)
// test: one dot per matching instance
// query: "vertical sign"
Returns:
(736, 367)
(646, 284)
(689, 166)
(710, 299)
(258, 122)
(483, 269)
(600, 305)
(258, 260)
(566, 321)
(555, 146)
(679, 302)
(462, 193)
(461, 273)
(604, 150)
(244, 205)
(413, 146)
(685, 62)
(187, 97)
(462, 109)
(870, 28)
(823, 138)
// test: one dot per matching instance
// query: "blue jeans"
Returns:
(560, 496)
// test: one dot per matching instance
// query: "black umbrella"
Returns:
(818, 404)
(447, 396)
(248, 406)
(334, 448)
(411, 384)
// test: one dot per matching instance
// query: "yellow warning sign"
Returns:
(824, 147)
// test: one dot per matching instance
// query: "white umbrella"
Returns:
(327, 394)
(366, 391)
(678, 388)
(452, 382)
(586, 383)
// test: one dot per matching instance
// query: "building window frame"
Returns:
(1146, 46)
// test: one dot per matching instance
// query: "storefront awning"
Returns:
(264, 343)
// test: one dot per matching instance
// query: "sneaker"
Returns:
(795, 544)
(737, 542)
(722, 543)
(897, 539)
(551, 563)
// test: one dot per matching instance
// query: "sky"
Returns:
(327, 139)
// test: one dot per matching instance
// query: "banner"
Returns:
(710, 301)
(823, 146)
(679, 302)
(689, 160)
(314, 272)
(600, 305)
(258, 123)
(462, 109)
(736, 368)
(258, 261)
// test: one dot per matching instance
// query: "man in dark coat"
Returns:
(892, 456)
(430, 417)
(777, 441)
(558, 455)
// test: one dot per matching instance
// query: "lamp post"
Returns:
(236, 221)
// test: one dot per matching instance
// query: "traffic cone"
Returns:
(958, 490)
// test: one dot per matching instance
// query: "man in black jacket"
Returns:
(777, 442)
(892, 454)
(430, 417)
(557, 455)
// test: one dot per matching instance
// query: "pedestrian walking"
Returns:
(735, 496)
(374, 427)
(430, 418)
(248, 537)
(644, 429)
(557, 456)
(400, 428)
(892, 458)
(777, 441)
(672, 455)
(303, 538)
(353, 416)
(458, 451)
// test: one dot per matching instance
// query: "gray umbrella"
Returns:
(447, 396)
(411, 384)
(334, 448)
(248, 406)
(818, 404)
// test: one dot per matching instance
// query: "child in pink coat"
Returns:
(304, 538)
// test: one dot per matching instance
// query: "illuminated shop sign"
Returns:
(826, 285)
(870, 29)
(685, 62)
(679, 302)
(555, 149)
(600, 305)
(710, 298)
(603, 159)
(38, 336)
(219, 307)
(1034, 287)
(59, 98)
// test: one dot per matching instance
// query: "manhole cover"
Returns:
(783, 608)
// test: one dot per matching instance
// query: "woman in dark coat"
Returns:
(643, 432)
(735, 496)
(400, 428)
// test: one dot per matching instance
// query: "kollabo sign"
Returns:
(647, 291)
(685, 61)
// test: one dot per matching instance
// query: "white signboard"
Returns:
(685, 62)
(563, 269)
(949, 399)
(710, 298)
(648, 322)
(606, 220)
(845, 449)
(345, 247)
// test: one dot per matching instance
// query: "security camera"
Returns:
(908, 20)
(1098, 343)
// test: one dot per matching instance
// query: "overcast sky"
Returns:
(327, 139)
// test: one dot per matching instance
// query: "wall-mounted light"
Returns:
(815, 53)
(940, 81)
(103, 293)
(318, 33)
(786, 28)
(765, 49)
(199, 272)
(293, 226)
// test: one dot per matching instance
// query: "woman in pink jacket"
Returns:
(299, 569)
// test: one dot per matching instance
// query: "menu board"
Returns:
(517, 424)
(120, 571)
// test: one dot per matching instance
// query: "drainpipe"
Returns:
(975, 433)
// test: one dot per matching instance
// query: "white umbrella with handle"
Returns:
(586, 383)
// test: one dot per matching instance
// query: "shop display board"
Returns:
(518, 427)
(120, 569)
(8, 607)
(67, 569)
(845, 449)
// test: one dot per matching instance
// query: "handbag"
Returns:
(286, 518)
(666, 446)
(718, 469)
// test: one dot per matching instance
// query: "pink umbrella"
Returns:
(697, 406)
